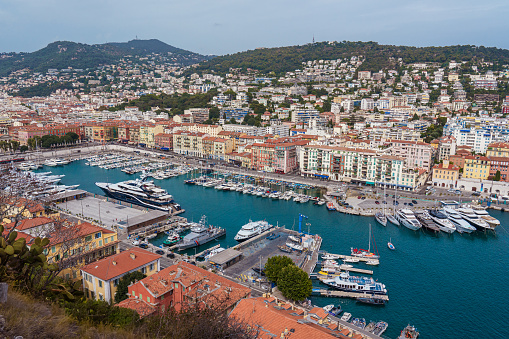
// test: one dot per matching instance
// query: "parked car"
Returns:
(160, 252)
(405, 203)
(476, 194)
(395, 202)
(145, 246)
(384, 202)
(170, 255)
(410, 204)
(414, 202)
(259, 271)
(377, 202)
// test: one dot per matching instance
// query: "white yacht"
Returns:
(483, 214)
(456, 219)
(407, 218)
(442, 221)
(475, 220)
(252, 229)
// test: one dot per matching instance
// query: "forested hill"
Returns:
(284, 59)
(63, 54)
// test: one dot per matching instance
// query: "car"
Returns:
(410, 204)
(359, 197)
(377, 202)
(145, 246)
(386, 195)
(363, 198)
(405, 203)
(170, 255)
(160, 252)
(476, 194)
(395, 202)
(414, 202)
(259, 271)
(384, 202)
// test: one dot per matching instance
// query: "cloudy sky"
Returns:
(229, 26)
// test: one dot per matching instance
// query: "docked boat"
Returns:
(483, 214)
(294, 238)
(371, 301)
(426, 221)
(172, 239)
(407, 218)
(390, 245)
(333, 309)
(294, 246)
(139, 192)
(252, 229)
(409, 332)
(200, 234)
(381, 218)
(469, 215)
(359, 322)
(462, 226)
(373, 262)
(346, 316)
(330, 256)
(330, 206)
(285, 249)
(392, 219)
(380, 328)
(214, 252)
(351, 260)
(356, 284)
(359, 252)
(442, 221)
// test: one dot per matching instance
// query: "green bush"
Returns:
(100, 312)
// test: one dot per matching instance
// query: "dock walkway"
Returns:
(343, 294)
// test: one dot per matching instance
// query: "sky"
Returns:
(229, 26)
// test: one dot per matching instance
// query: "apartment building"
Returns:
(274, 157)
(476, 167)
(445, 175)
(216, 148)
(446, 148)
(416, 154)
(188, 143)
(501, 165)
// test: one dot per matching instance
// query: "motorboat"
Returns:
(390, 245)
(442, 221)
(359, 322)
(483, 214)
(409, 332)
(214, 252)
(371, 300)
(392, 219)
(407, 218)
(200, 234)
(346, 316)
(462, 226)
(294, 246)
(172, 239)
(474, 219)
(330, 256)
(333, 309)
(294, 238)
(373, 262)
(330, 206)
(351, 260)
(380, 328)
(252, 229)
(426, 221)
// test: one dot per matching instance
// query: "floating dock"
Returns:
(205, 251)
(343, 294)
(350, 269)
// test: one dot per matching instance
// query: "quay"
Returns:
(345, 268)
(197, 255)
(344, 294)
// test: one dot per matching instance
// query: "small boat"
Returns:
(351, 260)
(330, 206)
(330, 256)
(381, 218)
(370, 327)
(371, 301)
(333, 310)
(373, 262)
(359, 252)
(380, 328)
(172, 239)
(346, 316)
(294, 246)
(285, 249)
(390, 245)
(359, 322)
(151, 236)
(293, 238)
(409, 332)
(393, 220)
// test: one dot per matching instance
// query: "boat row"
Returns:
(447, 219)
(28, 166)
(56, 162)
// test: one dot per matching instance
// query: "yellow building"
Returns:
(216, 148)
(21, 207)
(498, 149)
(104, 132)
(188, 143)
(100, 279)
(446, 171)
(476, 167)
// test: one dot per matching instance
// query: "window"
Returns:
(53, 249)
(105, 241)
(88, 238)
(100, 242)
(144, 270)
(112, 238)
(151, 267)
(134, 293)
(148, 299)
(98, 235)
(115, 282)
(101, 296)
(100, 283)
(141, 297)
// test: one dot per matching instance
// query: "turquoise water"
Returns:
(448, 286)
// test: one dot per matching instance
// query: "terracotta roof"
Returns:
(26, 224)
(118, 264)
(137, 305)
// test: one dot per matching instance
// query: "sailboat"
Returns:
(391, 217)
(380, 216)
(390, 245)
(359, 252)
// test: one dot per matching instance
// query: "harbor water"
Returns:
(448, 286)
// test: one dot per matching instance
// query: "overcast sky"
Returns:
(229, 26)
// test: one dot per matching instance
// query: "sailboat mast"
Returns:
(369, 245)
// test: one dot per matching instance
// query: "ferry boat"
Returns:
(142, 193)
(483, 214)
(407, 218)
(461, 224)
(469, 215)
(442, 221)
(252, 229)
(201, 234)
(355, 284)
(409, 332)
(381, 218)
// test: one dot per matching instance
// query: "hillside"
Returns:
(63, 54)
(284, 59)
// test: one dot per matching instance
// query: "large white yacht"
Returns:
(442, 221)
(475, 220)
(483, 214)
(462, 226)
(407, 218)
(252, 229)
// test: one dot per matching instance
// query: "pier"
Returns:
(345, 268)
(205, 251)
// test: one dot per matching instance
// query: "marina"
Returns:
(339, 232)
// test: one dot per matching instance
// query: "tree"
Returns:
(125, 281)
(275, 265)
(214, 113)
(497, 176)
(415, 117)
(23, 148)
(294, 283)
(73, 136)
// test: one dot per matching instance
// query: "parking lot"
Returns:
(256, 256)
